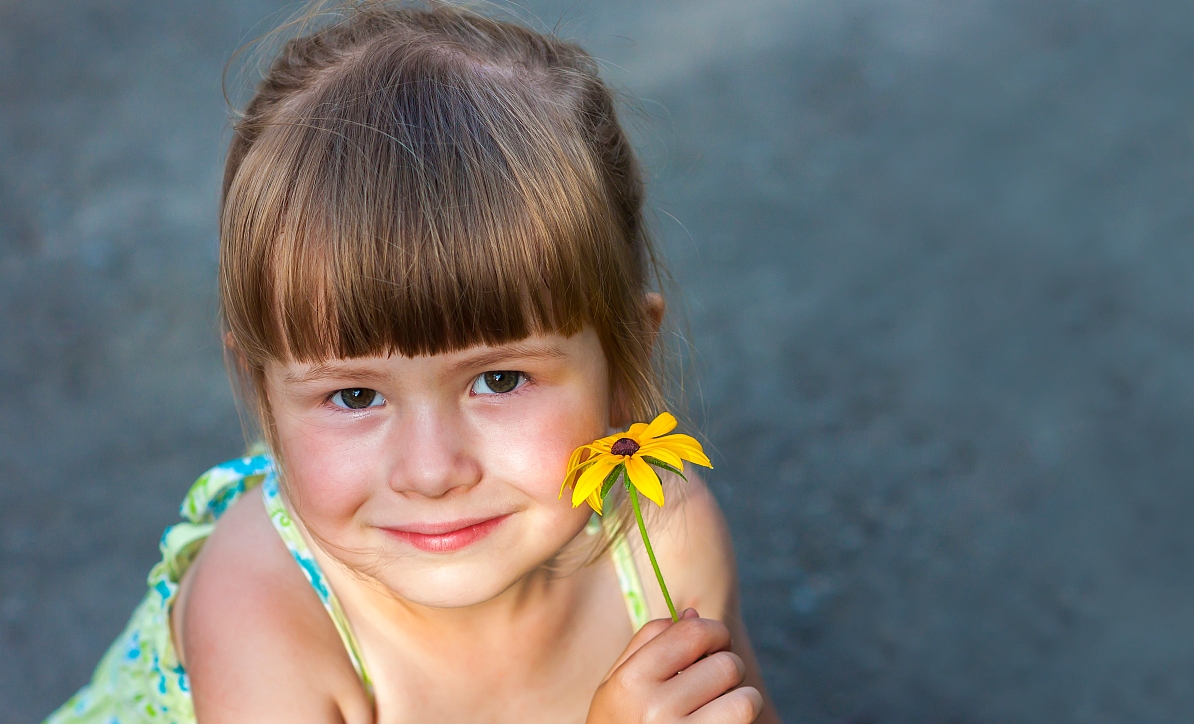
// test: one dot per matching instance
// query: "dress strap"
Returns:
(628, 580)
(289, 532)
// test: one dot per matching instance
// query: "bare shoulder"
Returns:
(253, 636)
(693, 546)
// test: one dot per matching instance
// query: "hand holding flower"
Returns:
(677, 671)
(672, 671)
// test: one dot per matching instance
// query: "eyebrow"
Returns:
(517, 350)
(324, 371)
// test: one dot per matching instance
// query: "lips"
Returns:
(448, 536)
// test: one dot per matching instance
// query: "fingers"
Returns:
(677, 671)
(649, 631)
(740, 706)
(705, 680)
(679, 646)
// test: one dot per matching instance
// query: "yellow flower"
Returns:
(595, 468)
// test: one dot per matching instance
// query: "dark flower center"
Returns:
(624, 446)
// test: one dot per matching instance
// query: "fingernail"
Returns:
(690, 613)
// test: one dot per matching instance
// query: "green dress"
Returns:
(140, 679)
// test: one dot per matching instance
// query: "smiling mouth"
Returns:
(446, 537)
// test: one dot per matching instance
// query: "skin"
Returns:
(511, 628)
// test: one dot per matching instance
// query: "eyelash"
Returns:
(376, 396)
(522, 377)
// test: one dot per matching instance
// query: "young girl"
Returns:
(434, 283)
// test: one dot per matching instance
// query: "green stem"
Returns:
(642, 528)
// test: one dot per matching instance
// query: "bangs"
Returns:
(417, 201)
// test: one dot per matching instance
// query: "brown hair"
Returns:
(417, 180)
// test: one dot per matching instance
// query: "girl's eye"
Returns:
(498, 383)
(357, 398)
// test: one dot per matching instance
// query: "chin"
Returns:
(450, 586)
(469, 577)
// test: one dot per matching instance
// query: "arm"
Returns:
(258, 645)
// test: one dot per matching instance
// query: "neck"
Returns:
(534, 615)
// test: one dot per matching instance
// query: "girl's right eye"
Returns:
(357, 398)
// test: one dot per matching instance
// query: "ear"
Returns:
(233, 353)
(656, 308)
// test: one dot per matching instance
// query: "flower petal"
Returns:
(581, 458)
(590, 480)
(574, 466)
(595, 502)
(663, 423)
(643, 477)
(635, 431)
(603, 444)
(574, 458)
(682, 445)
(664, 454)
(573, 475)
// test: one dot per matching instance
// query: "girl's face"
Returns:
(439, 476)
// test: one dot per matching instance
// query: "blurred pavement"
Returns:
(937, 265)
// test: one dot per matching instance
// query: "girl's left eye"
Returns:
(357, 398)
(498, 382)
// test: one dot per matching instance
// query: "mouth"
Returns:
(446, 537)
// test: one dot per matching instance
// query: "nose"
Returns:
(432, 454)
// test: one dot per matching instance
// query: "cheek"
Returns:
(326, 480)
(536, 463)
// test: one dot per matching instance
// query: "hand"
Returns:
(677, 672)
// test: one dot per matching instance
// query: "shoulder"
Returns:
(255, 640)
(692, 544)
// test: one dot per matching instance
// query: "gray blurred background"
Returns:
(936, 258)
